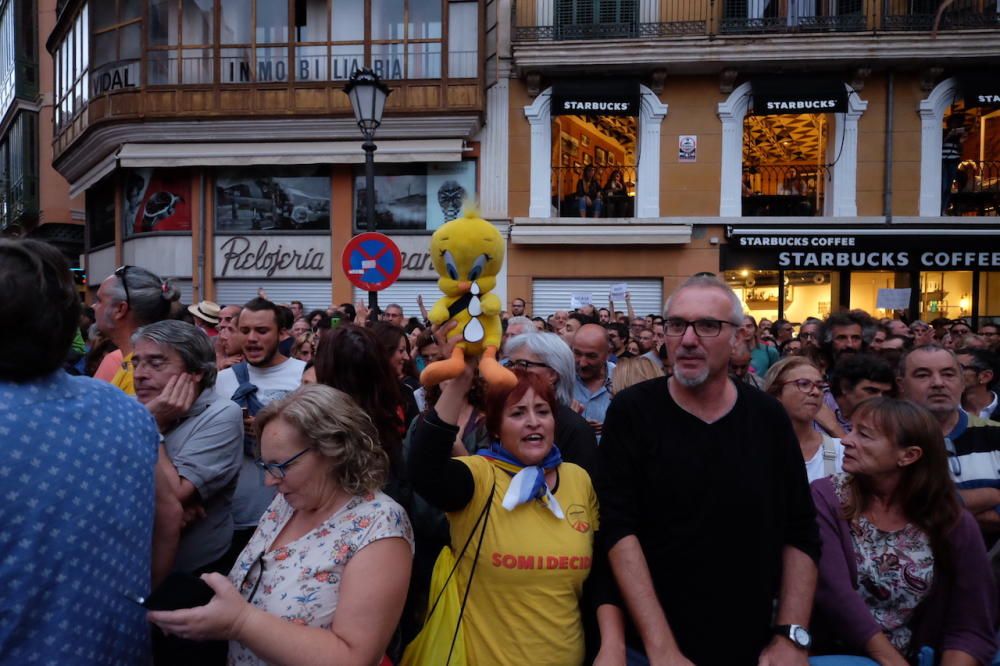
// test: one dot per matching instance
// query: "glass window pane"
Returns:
(387, 60)
(345, 59)
(198, 16)
(293, 199)
(236, 65)
(272, 65)
(423, 61)
(235, 22)
(161, 67)
(387, 19)
(272, 22)
(311, 63)
(162, 22)
(197, 66)
(105, 14)
(311, 23)
(130, 9)
(463, 40)
(131, 41)
(945, 294)
(400, 197)
(989, 297)
(105, 48)
(425, 19)
(348, 21)
(84, 17)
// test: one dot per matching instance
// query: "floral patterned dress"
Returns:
(300, 581)
(895, 572)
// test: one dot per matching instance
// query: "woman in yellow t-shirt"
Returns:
(537, 548)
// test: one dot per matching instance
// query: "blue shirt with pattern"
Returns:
(76, 522)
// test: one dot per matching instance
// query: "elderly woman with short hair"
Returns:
(548, 355)
(324, 577)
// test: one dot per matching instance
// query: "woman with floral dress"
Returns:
(324, 577)
(903, 566)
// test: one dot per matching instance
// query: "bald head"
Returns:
(590, 351)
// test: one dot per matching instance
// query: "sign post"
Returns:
(371, 261)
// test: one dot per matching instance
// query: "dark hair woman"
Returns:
(528, 511)
(351, 360)
(903, 564)
(396, 346)
(319, 320)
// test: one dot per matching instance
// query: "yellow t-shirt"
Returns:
(124, 377)
(524, 607)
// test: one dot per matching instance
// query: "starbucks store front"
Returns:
(795, 273)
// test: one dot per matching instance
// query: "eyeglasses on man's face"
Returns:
(523, 364)
(278, 470)
(676, 327)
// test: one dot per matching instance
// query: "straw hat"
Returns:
(207, 311)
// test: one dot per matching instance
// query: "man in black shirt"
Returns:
(705, 505)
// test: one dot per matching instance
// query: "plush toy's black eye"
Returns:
(477, 267)
(449, 262)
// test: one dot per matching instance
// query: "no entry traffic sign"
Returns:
(371, 261)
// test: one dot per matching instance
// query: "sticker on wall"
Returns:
(687, 148)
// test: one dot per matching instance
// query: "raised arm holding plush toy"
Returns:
(468, 253)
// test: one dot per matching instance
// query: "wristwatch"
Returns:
(796, 633)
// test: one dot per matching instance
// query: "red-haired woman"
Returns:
(528, 568)
(903, 565)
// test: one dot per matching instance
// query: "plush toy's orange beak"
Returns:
(464, 286)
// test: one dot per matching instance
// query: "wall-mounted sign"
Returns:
(780, 95)
(306, 68)
(687, 148)
(416, 253)
(595, 97)
(272, 256)
(115, 76)
(914, 251)
(156, 200)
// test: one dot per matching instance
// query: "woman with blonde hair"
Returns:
(305, 345)
(631, 371)
(798, 385)
(324, 577)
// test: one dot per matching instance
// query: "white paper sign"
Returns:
(579, 300)
(893, 299)
(618, 291)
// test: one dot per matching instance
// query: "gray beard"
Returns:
(692, 382)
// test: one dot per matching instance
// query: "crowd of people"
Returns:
(254, 483)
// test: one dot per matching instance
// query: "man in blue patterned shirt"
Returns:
(76, 481)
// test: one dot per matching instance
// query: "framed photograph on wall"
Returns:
(576, 165)
(600, 156)
(611, 158)
(565, 160)
(587, 159)
(584, 140)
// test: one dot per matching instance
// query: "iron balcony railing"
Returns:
(975, 189)
(615, 191)
(790, 190)
(556, 20)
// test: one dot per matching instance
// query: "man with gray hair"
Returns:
(691, 467)
(127, 299)
(200, 456)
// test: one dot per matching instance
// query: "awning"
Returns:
(318, 152)
(776, 95)
(595, 97)
(979, 89)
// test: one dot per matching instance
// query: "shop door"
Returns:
(547, 296)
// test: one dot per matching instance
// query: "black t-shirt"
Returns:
(712, 505)
(575, 439)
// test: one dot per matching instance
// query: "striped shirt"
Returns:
(974, 452)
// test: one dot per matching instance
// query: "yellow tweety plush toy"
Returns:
(468, 253)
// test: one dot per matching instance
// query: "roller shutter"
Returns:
(314, 294)
(404, 293)
(550, 295)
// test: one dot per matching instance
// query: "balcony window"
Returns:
(762, 16)
(259, 199)
(19, 171)
(117, 32)
(970, 160)
(784, 168)
(7, 62)
(463, 40)
(593, 166)
(180, 41)
(415, 197)
(72, 70)
(587, 19)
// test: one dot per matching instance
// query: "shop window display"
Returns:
(156, 200)
(255, 199)
(784, 164)
(415, 197)
(945, 294)
(593, 166)
(802, 294)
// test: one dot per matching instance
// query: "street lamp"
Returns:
(368, 94)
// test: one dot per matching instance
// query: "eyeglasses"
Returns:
(522, 364)
(807, 336)
(120, 274)
(676, 327)
(277, 470)
(807, 385)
